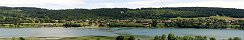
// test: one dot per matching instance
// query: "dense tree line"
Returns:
(125, 38)
(208, 23)
(173, 37)
(20, 38)
(28, 14)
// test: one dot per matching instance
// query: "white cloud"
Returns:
(224, 4)
(64, 4)
(40, 3)
(146, 3)
(187, 3)
(135, 4)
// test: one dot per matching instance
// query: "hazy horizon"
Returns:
(92, 4)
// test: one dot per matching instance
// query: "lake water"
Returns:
(150, 32)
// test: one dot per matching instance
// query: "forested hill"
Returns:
(32, 13)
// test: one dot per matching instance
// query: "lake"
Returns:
(147, 32)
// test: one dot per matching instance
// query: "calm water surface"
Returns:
(150, 32)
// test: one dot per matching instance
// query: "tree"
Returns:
(230, 39)
(212, 38)
(237, 38)
(171, 37)
(163, 37)
(199, 38)
(21, 38)
(205, 38)
(98, 39)
(188, 38)
(157, 38)
(120, 38)
(154, 23)
(242, 24)
(131, 38)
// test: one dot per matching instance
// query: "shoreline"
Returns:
(128, 27)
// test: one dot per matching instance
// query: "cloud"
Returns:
(41, 3)
(146, 3)
(173, 3)
(70, 4)
(134, 4)
(224, 4)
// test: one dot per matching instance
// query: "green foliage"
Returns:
(131, 38)
(212, 38)
(188, 38)
(237, 38)
(28, 14)
(120, 38)
(154, 23)
(125, 25)
(98, 39)
(200, 38)
(21, 38)
(17, 15)
(171, 37)
(71, 25)
(157, 38)
(163, 37)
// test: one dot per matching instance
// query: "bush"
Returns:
(212, 38)
(120, 38)
(71, 25)
(237, 38)
(171, 37)
(199, 38)
(21, 38)
(131, 38)
(188, 38)
(157, 38)
(163, 37)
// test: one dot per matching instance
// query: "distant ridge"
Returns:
(116, 13)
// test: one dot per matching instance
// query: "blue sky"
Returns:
(90, 4)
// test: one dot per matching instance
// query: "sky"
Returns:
(91, 4)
